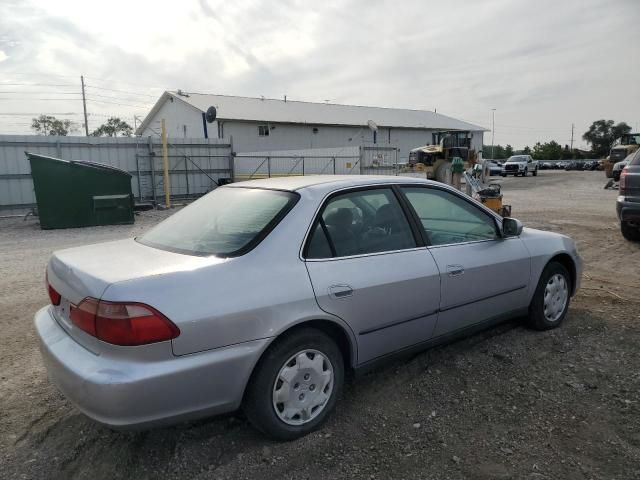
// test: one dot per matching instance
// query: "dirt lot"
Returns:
(509, 403)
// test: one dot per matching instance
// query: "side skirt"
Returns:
(411, 350)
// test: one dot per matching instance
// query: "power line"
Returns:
(37, 93)
(39, 113)
(55, 113)
(38, 84)
(91, 99)
(112, 98)
(123, 91)
(120, 82)
(33, 74)
(29, 98)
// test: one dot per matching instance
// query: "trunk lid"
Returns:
(87, 271)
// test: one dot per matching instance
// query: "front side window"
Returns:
(225, 222)
(447, 219)
(360, 222)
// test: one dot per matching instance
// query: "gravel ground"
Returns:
(509, 403)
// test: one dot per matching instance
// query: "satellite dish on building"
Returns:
(372, 125)
(211, 114)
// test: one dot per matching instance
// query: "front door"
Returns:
(366, 268)
(482, 275)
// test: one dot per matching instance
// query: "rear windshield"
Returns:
(636, 159)
(226, 222)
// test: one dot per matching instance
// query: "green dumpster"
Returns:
(79, 193)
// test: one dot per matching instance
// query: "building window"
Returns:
(315, 129)
(263, 130)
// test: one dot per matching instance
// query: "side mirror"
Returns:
(511, 227)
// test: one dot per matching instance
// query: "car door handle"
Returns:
(455, 270)
(340, 291)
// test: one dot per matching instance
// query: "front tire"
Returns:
(295, 385)
(630, 232)
(551, 299)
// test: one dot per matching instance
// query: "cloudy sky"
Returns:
(542, 64)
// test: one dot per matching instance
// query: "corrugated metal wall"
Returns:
(193, 164)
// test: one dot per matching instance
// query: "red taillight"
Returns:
(623, 179)
(84, 315)
(122, 323)
(54, 296)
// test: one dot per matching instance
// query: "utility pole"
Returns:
(84, 107)
(572, 137)
(165, 162)
(493, 131)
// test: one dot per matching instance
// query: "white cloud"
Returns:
(543, 65)
(3, 56)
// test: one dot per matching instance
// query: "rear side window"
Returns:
(636, 159)
(226, 222)
(360, 222)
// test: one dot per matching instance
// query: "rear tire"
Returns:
(551, 299)
(286, 410)
(630, 232)
(503, 174)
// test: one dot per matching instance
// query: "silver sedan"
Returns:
(262, 294)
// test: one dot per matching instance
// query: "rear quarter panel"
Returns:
(255, 296)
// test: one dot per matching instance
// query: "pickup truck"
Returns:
(520, 165)
(628, 202)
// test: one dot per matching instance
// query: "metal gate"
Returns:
(195, 165)
(378, 160)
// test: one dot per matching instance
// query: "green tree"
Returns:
(602, 134)
(508, 151)
(112, 127)
(526, 150)
(49, 125)
(496, 152)
(547, 151)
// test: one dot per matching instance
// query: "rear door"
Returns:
(630, 186)
(482, 275)
(366, 267)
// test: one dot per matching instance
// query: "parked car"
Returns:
(628, 203)
(561, 165)
(261, 294)
(591, 165)
(575, 165)
(617, 168)
(520, 165)
(546, 166)
(495, 168)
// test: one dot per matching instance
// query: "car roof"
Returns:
(331, 182)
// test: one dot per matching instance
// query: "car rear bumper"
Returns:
(130, 393)
(628, 211)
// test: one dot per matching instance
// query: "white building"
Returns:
(261, 124)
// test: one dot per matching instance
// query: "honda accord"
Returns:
(261, 295)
